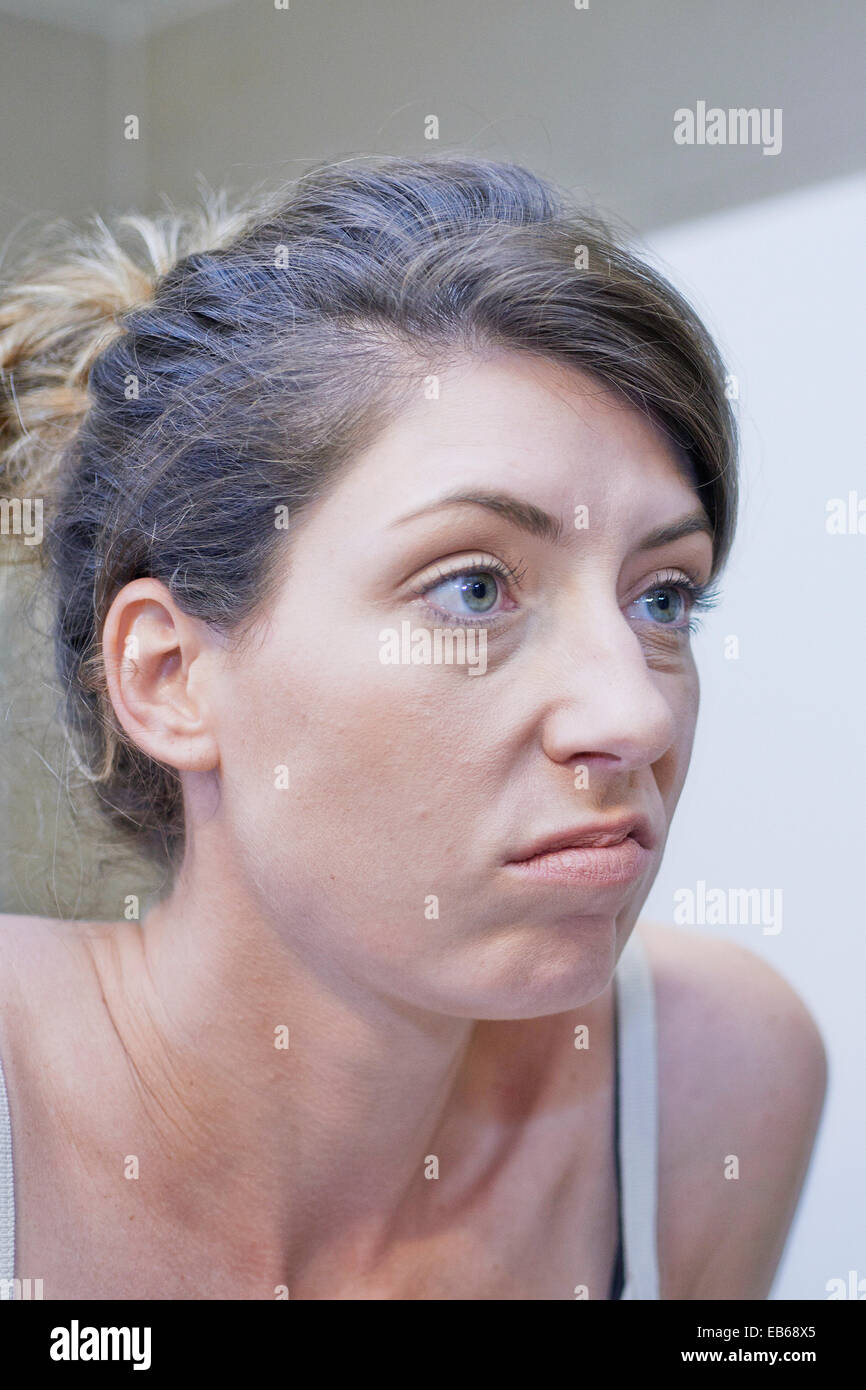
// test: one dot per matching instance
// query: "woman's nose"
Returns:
(602, 699)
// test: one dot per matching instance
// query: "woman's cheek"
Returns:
(670, 771)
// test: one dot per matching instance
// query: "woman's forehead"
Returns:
(551, 436)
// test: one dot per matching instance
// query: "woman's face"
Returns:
(411, 783)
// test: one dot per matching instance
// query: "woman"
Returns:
(384, 511)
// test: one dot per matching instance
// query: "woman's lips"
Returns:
(597, 867)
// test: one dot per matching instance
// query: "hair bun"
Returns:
(63, 304)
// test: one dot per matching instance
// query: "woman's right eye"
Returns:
(468, 594)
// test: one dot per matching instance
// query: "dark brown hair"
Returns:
(169, 395)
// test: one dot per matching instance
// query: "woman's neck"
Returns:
(313, 1110)
(312, 1100)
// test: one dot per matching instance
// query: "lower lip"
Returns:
(600, 867)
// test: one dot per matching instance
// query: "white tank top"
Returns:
(637, 1123)
(637, 1118)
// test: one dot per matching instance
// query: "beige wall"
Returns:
(243, 91)
(52, 126)
(57, 855)
(586, 96)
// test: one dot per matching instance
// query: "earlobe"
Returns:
(156, 658)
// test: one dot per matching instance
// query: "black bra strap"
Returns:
(618, 1279)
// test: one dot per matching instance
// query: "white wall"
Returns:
(776, 791)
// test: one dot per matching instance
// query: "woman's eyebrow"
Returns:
(528, 517)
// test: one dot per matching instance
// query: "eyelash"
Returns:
(702, 596)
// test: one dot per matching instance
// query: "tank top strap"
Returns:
(637, 1076)
(7, 1196)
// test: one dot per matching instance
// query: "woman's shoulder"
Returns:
(725, 1003)
(47, 948)
(694, 974)
(48, 983)
(742, 1080)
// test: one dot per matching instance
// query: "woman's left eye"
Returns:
(672, 603)
(666, 604)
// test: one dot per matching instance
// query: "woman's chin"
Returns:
(534, 984)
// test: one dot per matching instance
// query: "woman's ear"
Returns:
(158, 662)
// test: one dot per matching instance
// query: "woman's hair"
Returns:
(171, 384)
